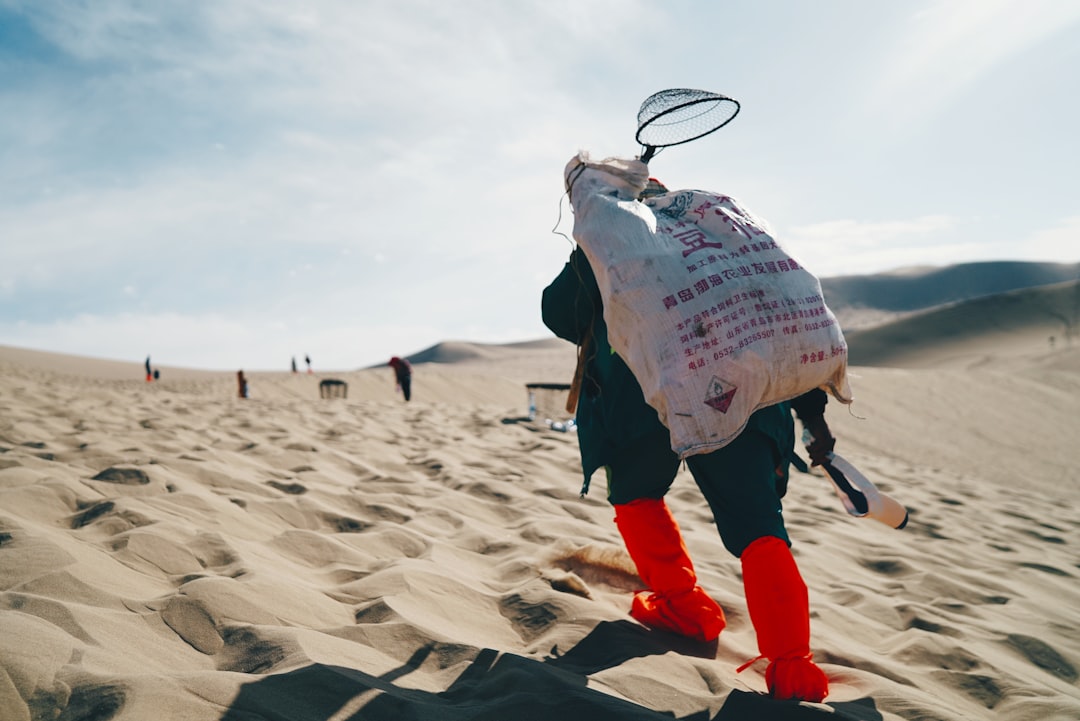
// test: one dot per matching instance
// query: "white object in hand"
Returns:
(850, 484)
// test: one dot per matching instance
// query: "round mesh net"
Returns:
(679, 115)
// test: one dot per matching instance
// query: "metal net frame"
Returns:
(680, 115)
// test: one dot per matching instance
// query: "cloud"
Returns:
(850, 247)
(243, 132)
(952, 44)
(394, 89)
(1059, 243)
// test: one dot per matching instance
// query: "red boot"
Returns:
(780, 611)
(674, 601)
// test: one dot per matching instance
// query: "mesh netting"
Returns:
(679, 115)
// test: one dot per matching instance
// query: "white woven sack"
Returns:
(712, 315)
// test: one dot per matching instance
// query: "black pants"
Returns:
(738, 482)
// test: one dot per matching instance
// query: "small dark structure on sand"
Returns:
(333, 388)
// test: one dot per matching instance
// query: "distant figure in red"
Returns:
(241, 382)
(149, 373)
(403, 374)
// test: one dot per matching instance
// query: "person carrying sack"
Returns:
(742, 481)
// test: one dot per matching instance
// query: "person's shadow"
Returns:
(505, 687)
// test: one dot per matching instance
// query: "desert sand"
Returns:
(171, 551)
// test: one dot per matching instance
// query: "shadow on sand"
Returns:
(505, 687)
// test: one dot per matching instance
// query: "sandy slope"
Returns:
(1020, 323)
(170, 551)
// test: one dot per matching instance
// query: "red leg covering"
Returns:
(780, 611)
(674, 601)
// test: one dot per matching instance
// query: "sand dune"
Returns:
(1020, 323)
(170, 551)
(865, 301)
(463, 351)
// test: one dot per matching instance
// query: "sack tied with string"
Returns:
(714, 318)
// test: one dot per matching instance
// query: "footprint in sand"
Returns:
(1044, 656)
(921, 623)
(344, 524)
(377, 612)
(982, 689)
(115, 519)
(123, 476)
(530, 620)
(295, 489)
(91, 514)
(244, 651)
(213, 552)
(888, 567)
(95, 701)
(1045, 569)
(168, 556)
(191, 621)
(1045, 539)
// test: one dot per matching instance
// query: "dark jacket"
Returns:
(402, 369)
(612, 413)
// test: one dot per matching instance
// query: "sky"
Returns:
(227, 184)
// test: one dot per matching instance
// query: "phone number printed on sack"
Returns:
(702, 336)
(720, 330)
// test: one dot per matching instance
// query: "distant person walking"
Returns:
(294, 364)
(149, 373)
(307, 359)
(403, 375)
(242, 384)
